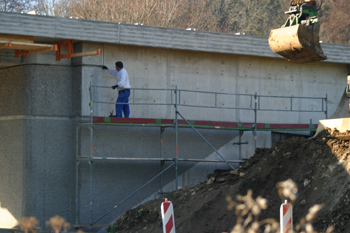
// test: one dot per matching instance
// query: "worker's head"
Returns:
(119, 65)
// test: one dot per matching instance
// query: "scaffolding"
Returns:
(254, 104)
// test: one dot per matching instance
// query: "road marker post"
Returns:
(286, 218)
(168, 220)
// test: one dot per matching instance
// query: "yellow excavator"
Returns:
(341, 118)
(298, 39)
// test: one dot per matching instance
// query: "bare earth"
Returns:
(319, 166)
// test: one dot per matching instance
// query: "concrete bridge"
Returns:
(61, 156)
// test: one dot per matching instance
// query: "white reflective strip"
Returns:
(284, 219)
(168, 214)
(287, 216)
(166, 217)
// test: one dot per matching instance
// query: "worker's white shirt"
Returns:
(122, 78)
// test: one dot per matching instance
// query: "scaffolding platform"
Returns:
(245, 126)
(232, 106)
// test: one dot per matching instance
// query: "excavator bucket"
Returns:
(340, 119)
(298, 43)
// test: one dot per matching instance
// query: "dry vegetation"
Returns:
(247, 210)
(56, 224)
(228, 16)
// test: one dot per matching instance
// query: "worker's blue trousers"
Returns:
(123, 97)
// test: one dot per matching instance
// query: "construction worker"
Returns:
(123, 87)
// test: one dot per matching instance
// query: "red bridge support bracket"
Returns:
(68, 45)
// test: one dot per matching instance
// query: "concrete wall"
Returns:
(41, 100)
(113, 181)
(200, 71)
(37, 141)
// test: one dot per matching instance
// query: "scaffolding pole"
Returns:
(177, 96)
(255, 118)
(176, 139)
(216, 151)
(159, 159)
(77, 172)
(160, 156)
(91, 152)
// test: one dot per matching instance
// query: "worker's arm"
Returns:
(110, 70)
(113, 71)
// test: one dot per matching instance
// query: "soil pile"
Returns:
(319, 166)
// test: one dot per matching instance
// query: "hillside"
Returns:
(250, 17)
(319, 166)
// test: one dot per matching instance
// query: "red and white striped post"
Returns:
(168, 216)
(286, 218)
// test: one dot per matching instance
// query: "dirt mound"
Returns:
(319, 166)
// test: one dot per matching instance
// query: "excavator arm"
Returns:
(298, 39)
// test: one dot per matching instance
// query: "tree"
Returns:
(15, 5)
(162, 13)
(229, 16)
(53, 7)
(336, 25)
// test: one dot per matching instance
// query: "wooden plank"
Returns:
(52, 48)
(27, 46)
(90, 53)
(16, 38)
